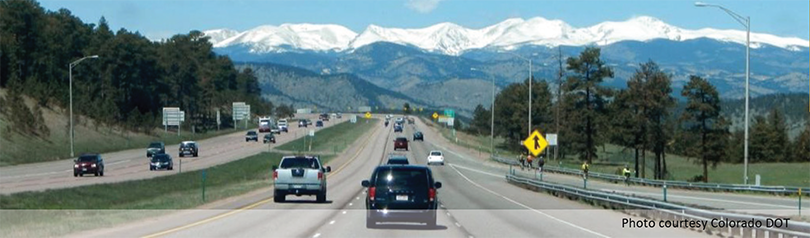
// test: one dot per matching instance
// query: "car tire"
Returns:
(171, 168)
(101, 173)
(75, 174)
(279, 197)
(321, 197)
(181, 154)
(195, 154)
(81, 174)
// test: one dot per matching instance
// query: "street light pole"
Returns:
(746, 22)
(491, 119)
(70, 78)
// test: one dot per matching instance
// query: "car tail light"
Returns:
(275, 175)
(320, 175)
(371, 192)
(432, 194)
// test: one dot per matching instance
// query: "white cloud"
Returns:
(422, 6)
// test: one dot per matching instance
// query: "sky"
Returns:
(158, 19)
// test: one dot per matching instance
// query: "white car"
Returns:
(435, 157)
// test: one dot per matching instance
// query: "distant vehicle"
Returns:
(161, 161)
(397, 128)
(401, 143)
(397, 159)
(324, 117)
(282, 125)
(156, 147)
(334, 116)
(269, 138)
(88, 164)
(339, 115)
(418, 136)
(252, 136)
(265, 124)
(386, 123)
(300, 175)
(397, 193)
(275, 130)
(302, 123)
(319, 124)
(410, 120)
(309, 122)
(189, 147)
(435, 157)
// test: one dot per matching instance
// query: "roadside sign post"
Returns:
(800, 202)
(203, 185)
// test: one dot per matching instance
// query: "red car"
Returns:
(88, 164)
(401, 143)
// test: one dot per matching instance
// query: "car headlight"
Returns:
(75, 166)
(93, 165)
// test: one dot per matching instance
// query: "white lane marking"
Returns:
(527, 207)
(332, 222)
(350, 204)
(118, 162)
(316, 235)
(458, 225)
(479, 171)
(357, 198)
(698, 198)
(344, 212)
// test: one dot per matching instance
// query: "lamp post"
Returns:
(70, 76)
(530, 91)
(491, 119)
(746, 22)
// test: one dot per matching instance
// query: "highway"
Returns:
(475, 202)
(133, 164)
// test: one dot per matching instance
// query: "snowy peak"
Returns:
(452, 39)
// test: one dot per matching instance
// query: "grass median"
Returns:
(332, 139)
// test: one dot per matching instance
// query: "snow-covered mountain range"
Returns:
(452, 39)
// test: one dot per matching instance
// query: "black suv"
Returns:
(88, 164)
(418, 136)
(190, 148)
(401, 193)
(161, 161)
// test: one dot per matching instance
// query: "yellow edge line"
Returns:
(220, 216)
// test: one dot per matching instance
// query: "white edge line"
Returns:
(527, 207)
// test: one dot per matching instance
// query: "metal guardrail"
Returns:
(794, 229)
(671, 183)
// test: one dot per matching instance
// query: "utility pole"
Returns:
(559, 101)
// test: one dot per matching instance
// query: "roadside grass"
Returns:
(612, 159)
(332, 139)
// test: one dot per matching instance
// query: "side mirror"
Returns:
(75, 160)
(275, 167)
(438, 185)
(365, 183)
(328, 169)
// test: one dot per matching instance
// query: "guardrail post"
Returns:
(585, 182)
(665, 192)
(800, 202)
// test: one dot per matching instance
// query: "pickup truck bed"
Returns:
(300, 175)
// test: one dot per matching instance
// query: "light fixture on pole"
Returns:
(746, 22)
(70, 76)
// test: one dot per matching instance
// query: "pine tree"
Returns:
(481, 120)
(586, 100)
(703, 123)
(801, 148)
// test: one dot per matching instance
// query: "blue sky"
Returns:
(163, 18)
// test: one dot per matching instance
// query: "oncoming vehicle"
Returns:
(401, 193)
(265, 124)
(300, 175)
(252, 136)
(435, 157)
(161, 161)
(88, 164)
(282, 125)
(418, 136)
(155, 148)
(189, 147)
(401, 143)
(302, 123)
(319, 124)
(269, 138)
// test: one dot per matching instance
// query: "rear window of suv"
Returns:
(402, 139)
(87, 158)
(402, 177)
(307, 163)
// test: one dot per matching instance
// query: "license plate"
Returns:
(298, 186)
(402, 197)
(84, 169)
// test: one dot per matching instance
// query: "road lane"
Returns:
(133, 164)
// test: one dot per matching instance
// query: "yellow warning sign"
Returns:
(368, 115)
(535, 143)
(435, 115)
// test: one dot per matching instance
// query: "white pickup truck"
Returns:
(300, 175)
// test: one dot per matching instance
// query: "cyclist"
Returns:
(529, 160)
(626, 172)
(585, 167)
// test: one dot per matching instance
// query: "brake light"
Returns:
(275, 175)
(320, 175)
(431, 194)
(371, 192)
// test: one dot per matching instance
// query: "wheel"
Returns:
(171, 168)
(321, 197)
(96, 173)
(181, 154)
(101, 173)
(81, 174)
(279, 197)
(75, 175)
(195, 154)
